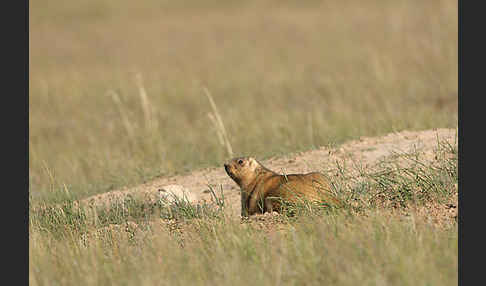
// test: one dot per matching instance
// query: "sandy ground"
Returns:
(366, 151)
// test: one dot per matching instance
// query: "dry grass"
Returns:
(408, 238)
(338, 249)
(329, 250)
(285, 76)
(119, 95)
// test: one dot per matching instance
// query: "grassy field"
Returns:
(382, 240)
(117, 89)
(120, 92)
(324, 250)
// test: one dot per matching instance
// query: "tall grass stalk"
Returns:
(215, 118)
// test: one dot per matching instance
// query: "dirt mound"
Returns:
(366, 151)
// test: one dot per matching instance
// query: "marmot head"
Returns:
(242, 170)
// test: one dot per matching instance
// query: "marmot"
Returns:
(263, 190)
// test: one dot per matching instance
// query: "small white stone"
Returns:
(171, 193)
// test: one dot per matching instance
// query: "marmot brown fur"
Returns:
(263, 190)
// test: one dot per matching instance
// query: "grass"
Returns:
(334, 250)
(400, 179)
(62, 219)
(137, 242)
(118, 92)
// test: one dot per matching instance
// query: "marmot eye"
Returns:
(240, 162)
